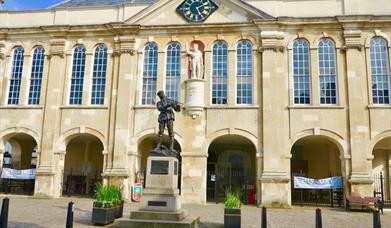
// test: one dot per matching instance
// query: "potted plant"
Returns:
(232, 209)
(108, 204)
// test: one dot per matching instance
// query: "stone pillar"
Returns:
(2, 70)
(195, 90)
(194, 174)
(275, 179)
(121, 112)
(361, 158)
(49, 173)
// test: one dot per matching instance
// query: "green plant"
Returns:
(109, 194)
(232, 200)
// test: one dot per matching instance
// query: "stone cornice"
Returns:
(57, 47)
(352, 40)
(272, 40)
(125, 44)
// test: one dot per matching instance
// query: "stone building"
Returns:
(289, 87)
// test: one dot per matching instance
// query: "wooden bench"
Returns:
(363, 202)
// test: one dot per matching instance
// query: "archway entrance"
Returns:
(231, 167)
(144, 148)
(20, 154)
(83, 165)
(316, 157)
(381, 170)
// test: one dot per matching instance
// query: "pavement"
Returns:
(51, 213)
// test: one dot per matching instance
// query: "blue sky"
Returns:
(28, 4)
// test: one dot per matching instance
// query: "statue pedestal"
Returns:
(160, 203)
(161, 187)
(195, 89)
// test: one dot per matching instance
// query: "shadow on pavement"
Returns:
(211, 225)
(24, 225)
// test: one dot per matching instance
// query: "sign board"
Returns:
(309, 183)
(137, 192)
(24, 174)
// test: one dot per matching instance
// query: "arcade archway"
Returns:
(83, 165)
(381, 169)
(20, 153)
(231, 166)
(316, 157)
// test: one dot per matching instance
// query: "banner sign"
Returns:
(24, 174)
(308, 183)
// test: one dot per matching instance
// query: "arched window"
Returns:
(327, 72)
(380, 71)
(244, 72)
(149, 74)
(301, 72)
(220, 73)
(16, 76)
(173, 70)
(77, 78)
(99, 75)
(36, 76)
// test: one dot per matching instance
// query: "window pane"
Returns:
(77, 78)
(327, 72)
(149, 74)
(301, 75)
(16, 76)
(173, 71)
(380, 71)
(99, 75)
(220, 73)
(244, 74)
(36, 76)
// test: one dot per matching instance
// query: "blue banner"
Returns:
(309, 183)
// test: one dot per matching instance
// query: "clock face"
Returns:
(196, 10)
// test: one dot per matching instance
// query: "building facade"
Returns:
(289, 88)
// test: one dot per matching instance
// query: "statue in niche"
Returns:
(196, 61)
(166, 118)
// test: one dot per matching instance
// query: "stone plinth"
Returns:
(195, 90)
(160, 203)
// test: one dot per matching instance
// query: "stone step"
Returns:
(157, 215)
(189, 222)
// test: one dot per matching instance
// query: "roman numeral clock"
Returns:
(196, 10)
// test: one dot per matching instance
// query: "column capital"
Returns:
(57, 47)
(272, 40)
(124, 44)
(352, 40)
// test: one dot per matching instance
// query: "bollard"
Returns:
(318, 218)
(264, 218)
(4, 213)
(69, 223)
(376, 219)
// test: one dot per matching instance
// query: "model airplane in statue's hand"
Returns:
(166, 107)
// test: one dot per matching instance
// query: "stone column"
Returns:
(2, 70)
(194, 174)
(361, 158)
(121, 112)
(275, 179)
(49, 174)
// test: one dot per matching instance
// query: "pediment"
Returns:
(164, 12)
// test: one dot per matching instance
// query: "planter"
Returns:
(231, 218)
(105, 214)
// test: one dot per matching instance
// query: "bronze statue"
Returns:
(166, 107)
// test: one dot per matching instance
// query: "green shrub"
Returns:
(232, 200)
(109, 195)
